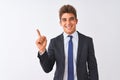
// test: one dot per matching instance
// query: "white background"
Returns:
(19, 20)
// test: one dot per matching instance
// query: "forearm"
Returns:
(46, 61)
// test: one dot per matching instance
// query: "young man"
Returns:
(72, 51)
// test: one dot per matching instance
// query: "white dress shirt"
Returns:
(75, 47)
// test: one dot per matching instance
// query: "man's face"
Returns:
(68, 22)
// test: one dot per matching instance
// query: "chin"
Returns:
(69, 32)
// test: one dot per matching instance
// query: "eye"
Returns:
(63, 19)
(72, 18)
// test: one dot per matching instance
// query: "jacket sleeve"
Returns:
(47, 60)
(92, 63)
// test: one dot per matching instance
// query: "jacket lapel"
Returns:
(80, 44)
(61, 44)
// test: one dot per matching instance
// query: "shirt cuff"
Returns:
(41, 53)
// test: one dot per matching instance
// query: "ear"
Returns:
(76, 21)
(60, 23)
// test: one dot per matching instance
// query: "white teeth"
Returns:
(68, 27)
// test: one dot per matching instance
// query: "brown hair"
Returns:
(67, 9)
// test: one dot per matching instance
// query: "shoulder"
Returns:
(83, 36)
(57, 38)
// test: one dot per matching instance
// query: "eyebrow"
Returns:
(72, 17)
(69, 18)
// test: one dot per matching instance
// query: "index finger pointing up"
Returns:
(38, 32)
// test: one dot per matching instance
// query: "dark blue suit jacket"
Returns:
(86, 65)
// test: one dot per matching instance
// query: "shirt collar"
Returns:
(75, 35)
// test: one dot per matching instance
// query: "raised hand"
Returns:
(41, 42)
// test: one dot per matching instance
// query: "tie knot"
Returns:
(70, 36)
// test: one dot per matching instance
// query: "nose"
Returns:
(68, 22)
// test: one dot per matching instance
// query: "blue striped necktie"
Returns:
(70, 60)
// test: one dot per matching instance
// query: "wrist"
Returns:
(42, 51)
